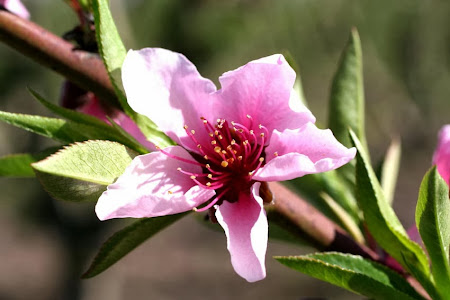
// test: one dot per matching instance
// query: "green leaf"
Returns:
(380, 218)
(298, 88)
(347, 94)
(127, 239)
(19, 165)
(103, 130)
(389, 170)
(353, 273)
(113, 53)
(432, 219)
(57, 129)
(82, 171)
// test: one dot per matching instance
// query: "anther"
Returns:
(193, 177)
(275, 153)
(224, 163)
(211, 134)
(199, 146)
(239, 157)
(217, 149)
(210, 176)
(185, 127)
(220, 137)
(213, 142)
(178, 169)
(170, 192)
(208, 184)
(249, 117)
(193, 131)
(233, 142)
(205, 157)
(216, 132)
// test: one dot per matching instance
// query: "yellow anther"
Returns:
(245, 142)
(205, 122)
(208, 184)
(217, 149)
(185, 127)
(216, 132)
(199, 146)
(224, 152)
(233, 142)
(234, 151)
(208, 166)
(251, 131)
(193, 177)
(261, 159)
(178, 169)
(205, 157)
(218, 121)
(239, 157)
(213, 142)
(220, 137)
(249, 117)
(211, 134)
(229, 148)
(209, 176)
(194, 209)
(275, 153)
(224, 164)
(262, 134)
(193, 131)
(170, 192)
(260, 126)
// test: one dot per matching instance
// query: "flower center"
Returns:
(230, 156)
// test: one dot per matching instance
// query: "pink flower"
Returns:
(232, 141)
(16, 7)
(441, 157)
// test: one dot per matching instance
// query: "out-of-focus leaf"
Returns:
(19, 165)
(353, 273)
(113, 53)
(389, 170)
(127, 239)
(432, 219)
(298, 88)
(346, 220)
(380, 218)
(103, 130)
(347, 94)
(82, 171)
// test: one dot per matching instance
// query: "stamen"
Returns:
(224, 164)
(180, 158)
(211, 204)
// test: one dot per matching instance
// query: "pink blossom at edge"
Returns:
(16, 7)
(441, 157)
(253, 130)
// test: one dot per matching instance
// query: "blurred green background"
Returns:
(45, 245)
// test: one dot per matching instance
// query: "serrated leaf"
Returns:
(103, 130)
(353, 273)
(113, 53)
(19, 165)
(347, 94)
(127, 239)
(432, 219)
(380, 218)
(82, 171)
(57, 129)
(389, 170)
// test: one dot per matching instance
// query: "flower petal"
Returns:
(16, 7)
(262, 89)
(441, 156)
(304, 151)
(166, 87)
(245, 225)
(152, 186)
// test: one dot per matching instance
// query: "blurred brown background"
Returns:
(45, 245)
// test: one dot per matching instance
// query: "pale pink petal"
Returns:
(262, 89)
(16, 7)
(441, 156)
(166, 87)
(151, 186)
(308, 150)
(246, 228)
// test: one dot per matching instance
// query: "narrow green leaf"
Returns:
(432, 219)
(82, 171)
(389, 170)
(127, 239)
(347, 94)
(298, 88)
(353, 273)
(57, 129)
(103, 131)
(19, 165)
(113, 53)
(380, 218)
(346, 220)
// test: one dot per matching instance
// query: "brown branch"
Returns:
(301, 218)
(87, 70)
(83, 68)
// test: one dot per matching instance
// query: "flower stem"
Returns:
(83, 68)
